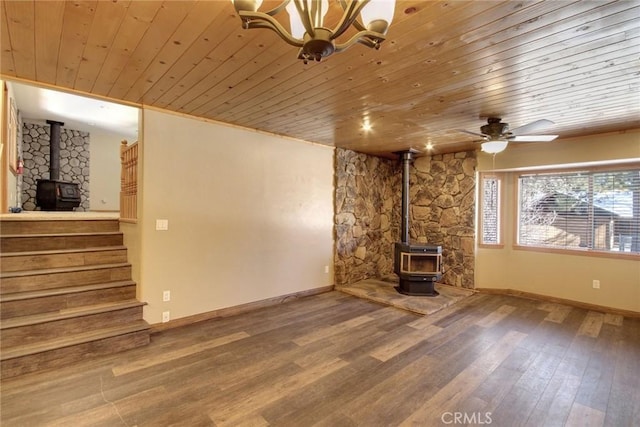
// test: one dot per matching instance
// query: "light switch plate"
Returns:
(162, 224)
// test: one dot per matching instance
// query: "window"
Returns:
(586, 210)
(490, 208)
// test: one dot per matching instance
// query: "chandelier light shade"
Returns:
(311, 34)
(494, 146)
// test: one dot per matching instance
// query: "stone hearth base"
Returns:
(383, 291)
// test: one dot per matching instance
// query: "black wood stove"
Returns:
(53, 194)
(419, 267)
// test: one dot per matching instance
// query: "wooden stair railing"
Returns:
(129, 181)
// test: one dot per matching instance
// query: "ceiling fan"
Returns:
(496, 134)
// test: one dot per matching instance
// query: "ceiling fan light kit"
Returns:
(308, 30)
(494, 147)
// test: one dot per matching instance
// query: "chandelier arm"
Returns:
(277, 9)
(351, 12)
(348, 12)
(259, 20)
(315, 7)
(374, 44)
(367, 38)
(358, 26)
(303, 11)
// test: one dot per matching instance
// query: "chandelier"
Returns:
(310, 33)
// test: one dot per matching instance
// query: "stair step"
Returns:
(39, 226)
(34, 280)
(63, 291)
(26, 330)
(35, 260)
(58, 270)
(57, 299)
(66, 293)
(69, 340)
(72, 348)
(36, 319)
(44, 242)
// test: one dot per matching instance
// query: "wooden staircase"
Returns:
(66, 293)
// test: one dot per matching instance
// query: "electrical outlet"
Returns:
(162, 224)
(166, 296)
(166, 316)
(326, 268)
(596, 284)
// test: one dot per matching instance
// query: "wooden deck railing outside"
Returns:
(129, 181)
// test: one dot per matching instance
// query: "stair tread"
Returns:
(51, 216)
(87, 310)
(92, 233)
(46, 271)
(18, 296)
(65, 251)
(67, 341)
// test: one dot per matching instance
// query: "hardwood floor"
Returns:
(336, 360)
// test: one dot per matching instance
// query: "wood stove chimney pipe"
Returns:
(407, 157)
(54, 150)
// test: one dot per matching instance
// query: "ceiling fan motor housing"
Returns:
(495, 128)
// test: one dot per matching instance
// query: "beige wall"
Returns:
(250, 216)
(132, 230)
(559, 275)
(104, 183)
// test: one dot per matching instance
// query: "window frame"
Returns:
(613, 167)
(499, 177)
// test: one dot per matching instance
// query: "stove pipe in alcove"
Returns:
(407, 158)
(54, 150)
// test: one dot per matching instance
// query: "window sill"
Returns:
(491, 245)
(580, 252)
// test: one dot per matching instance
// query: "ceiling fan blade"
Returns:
(532, 127)
(533, 138)
(473, 133)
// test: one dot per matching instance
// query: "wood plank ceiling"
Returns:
(446, 65)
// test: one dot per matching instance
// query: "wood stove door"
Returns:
(417, 263)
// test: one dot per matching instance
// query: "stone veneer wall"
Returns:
(368, 204)
(74, 161)
(442, 200)
(367, 221)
